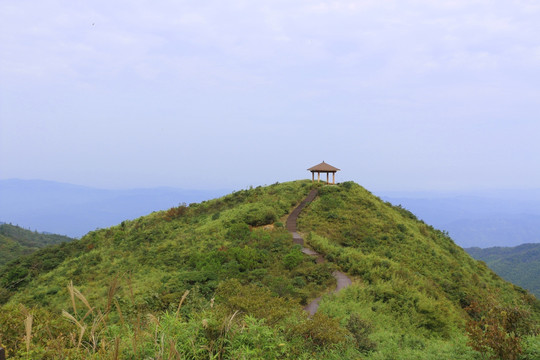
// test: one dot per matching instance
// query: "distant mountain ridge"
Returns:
(16, 241)
(519, 265)
(74, 210)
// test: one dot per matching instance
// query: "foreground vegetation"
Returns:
(223, 280)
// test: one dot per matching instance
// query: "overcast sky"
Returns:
(401, 95)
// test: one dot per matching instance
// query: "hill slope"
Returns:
(519, 264)
(413, 292)
(16, 241)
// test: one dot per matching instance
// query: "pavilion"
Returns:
(323, 168)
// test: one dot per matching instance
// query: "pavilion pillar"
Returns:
(333, 178)
(313, 176)
(318, 176)
(328, 178)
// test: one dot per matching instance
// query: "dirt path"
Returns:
(342, 280)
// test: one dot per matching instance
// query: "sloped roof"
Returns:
(322, 167)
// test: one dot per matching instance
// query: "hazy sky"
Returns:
(401, 95)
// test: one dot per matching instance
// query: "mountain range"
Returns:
(74, 210)
(519, 264)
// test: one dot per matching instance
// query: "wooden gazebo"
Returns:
(323, 168)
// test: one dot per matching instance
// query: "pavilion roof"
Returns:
(323, 167)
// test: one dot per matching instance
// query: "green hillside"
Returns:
(223, 280)
(518, 264)
(16, 241)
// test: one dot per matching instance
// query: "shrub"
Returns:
(252, 300)
(347, 185)
(238, 231)
(361, 329)
(321, 330)
(175, 212)
(293, 258)
(259, 215)
(496, 330)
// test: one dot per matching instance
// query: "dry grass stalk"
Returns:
(132, 297)
(72, 296)
(229, 325)
(120, 314)
(104, 346)
(81, 297)
(173, 353)
(116, 348)
(137, 328)
(93, 330)
(161, 347)
(74, 292)
(136, 331)
(181, 302)
(82, 328)
(28, 327)
(153, 319)
(110, 295)
(134, 344)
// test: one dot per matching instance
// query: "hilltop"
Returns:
(16, 241)
(223, 279)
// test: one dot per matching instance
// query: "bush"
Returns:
(260, 215)
(175, 212)
(496, 330)
(361, 329)
(252, 300)
(238, 231)
(321, 330)
(293, 258)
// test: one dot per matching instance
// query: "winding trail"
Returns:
(342, 280)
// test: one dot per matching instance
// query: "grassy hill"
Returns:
(16, 241)
(222, 279)
(519, 264)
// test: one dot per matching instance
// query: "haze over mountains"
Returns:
(481, 219)
(74, 210)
